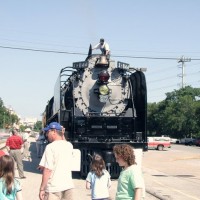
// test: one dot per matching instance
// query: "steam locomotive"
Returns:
(100, 102)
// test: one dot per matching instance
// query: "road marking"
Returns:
(189, 196)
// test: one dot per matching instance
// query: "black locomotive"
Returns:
(100, 103)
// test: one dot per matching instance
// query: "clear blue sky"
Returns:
(160, 29)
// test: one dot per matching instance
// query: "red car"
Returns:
(197, 142)
(158, 143)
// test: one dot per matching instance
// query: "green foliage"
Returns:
(38, 126)
(152, 116)
(7, 119)
(178, 115)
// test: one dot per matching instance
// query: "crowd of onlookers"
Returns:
(15, 152)
(40, 139)
(57, 182)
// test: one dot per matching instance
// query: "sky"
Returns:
(151, 34)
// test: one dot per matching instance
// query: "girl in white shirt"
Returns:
(98, 179)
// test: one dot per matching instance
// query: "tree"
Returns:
(7, 119)
(177, 115)
(38, 126)
(180, 112)
(152, 120)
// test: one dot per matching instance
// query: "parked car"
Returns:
(158, 143)
(174, 140)
(197, 142)
(189, 141)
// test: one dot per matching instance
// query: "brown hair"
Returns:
(126, 152)
(97, 165)
(7, 171)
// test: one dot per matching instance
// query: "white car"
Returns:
(174, 140)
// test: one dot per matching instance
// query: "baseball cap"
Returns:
(55, 125)
(46, 128)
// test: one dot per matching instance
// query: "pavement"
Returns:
(31, 185)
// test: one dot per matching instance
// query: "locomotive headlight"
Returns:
(103, 90)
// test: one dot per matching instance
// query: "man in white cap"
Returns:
(26, 152)
(57, 181)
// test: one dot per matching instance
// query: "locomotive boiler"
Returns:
(100, 103)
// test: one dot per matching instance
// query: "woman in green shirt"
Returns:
(130, 182)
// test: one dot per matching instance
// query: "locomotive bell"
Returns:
(102, 60)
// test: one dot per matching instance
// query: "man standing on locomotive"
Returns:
(104, 47)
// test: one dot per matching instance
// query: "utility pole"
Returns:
(182, 75)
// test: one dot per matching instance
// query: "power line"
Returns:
(78, 53)
(162, 79)
(41, 50)
(74, 53)
(157, 71)
(161, 88)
